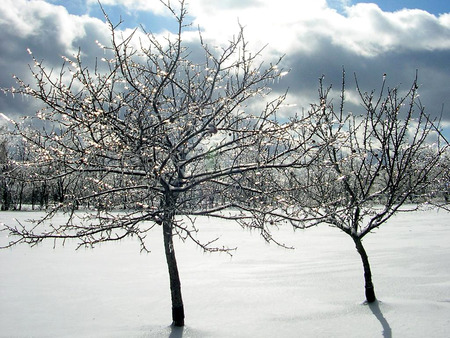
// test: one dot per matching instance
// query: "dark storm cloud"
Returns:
(433, 69)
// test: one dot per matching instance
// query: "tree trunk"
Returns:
(370, 292)
(175, 284)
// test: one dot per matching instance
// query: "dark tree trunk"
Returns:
(370, 292)
(20, 202)
(175, 284)
(6, 197)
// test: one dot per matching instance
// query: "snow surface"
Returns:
(315, 290)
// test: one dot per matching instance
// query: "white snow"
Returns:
(315, 290)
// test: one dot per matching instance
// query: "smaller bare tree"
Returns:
(372, 164)
(366, 167)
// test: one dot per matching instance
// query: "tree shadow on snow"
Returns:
(185, 331)
(176, 332)
(375, 308)
(172, 332)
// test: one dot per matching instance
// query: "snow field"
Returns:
(315, 290)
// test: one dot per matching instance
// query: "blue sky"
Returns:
(318, 37)
(432, 6)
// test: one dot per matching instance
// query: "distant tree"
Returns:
(156, 128)
(445, 183)
(5, 167)
(441, 188)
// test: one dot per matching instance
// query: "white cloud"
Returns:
(40, 22)
(317, 39)
(444, 20)
(369, 31)
(280, 23)
(289, 26)
(298, 26)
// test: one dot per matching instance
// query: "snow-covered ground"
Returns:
(315, 290)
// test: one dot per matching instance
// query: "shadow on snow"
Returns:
(375, 308)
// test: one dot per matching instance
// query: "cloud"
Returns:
(285, 25)
(49, 32)
(365, 40)
(296, 26)
(318, 37)
(369, 31)
(40, 23)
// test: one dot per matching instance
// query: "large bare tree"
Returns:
(159, 128)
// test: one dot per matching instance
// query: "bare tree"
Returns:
(156, 128)
(371, 166)
(366, 167)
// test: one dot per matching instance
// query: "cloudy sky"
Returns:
(319, 37)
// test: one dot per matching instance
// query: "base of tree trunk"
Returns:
(178, 316)
(370, 294)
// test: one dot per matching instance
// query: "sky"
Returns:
(320, 37)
